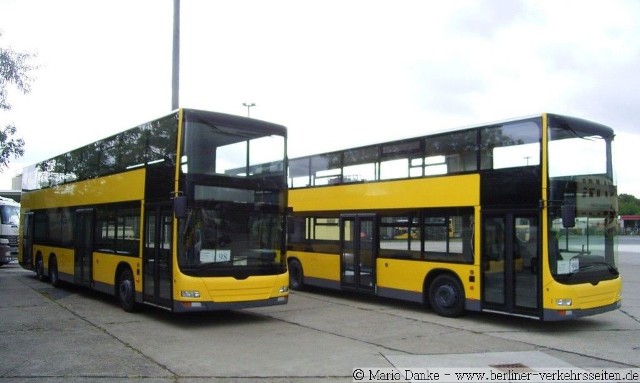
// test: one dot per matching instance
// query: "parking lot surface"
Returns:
(71, 334)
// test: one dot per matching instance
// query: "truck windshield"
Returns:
(10, 215)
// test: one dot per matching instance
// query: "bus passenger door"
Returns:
(27, 242)
(83, 257)
(157, 265)
(511, 263)
(358, 252)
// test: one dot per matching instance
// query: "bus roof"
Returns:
(562, 120)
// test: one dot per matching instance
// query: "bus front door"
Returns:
(358, 252)
(511, 263)
(83, 257)
(27, 241)
(157, 265)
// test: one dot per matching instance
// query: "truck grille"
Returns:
(13, 240)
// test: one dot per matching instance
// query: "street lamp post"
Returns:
(175, 63)
(249, 106)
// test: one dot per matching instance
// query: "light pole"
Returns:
(249, 106)
(175, 63)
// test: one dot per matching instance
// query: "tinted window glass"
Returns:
(451, 153)
(510, 145)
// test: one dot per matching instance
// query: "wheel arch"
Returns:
(293, 258)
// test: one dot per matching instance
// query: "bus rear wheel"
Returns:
(126, 291)
(40, 269)
(446, 296)
(54, 278)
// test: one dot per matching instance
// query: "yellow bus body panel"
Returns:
(64, 257)
(229, 289)
(105, 265)
(319, 265)
(463, 190)
(127, 186)
(410, 275)
(583, 297)
(398, 274)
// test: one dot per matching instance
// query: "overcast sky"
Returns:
(337, 73)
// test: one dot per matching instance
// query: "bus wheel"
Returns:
(40, 269)
(54, 278)
(126, 291)
(446, 296)
(296, 276)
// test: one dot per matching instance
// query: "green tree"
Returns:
(14, 71)
(628, 204)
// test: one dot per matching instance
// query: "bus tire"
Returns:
(40, 268)
(54, 277)
(126, 292)
(446, 296)
(296, 275)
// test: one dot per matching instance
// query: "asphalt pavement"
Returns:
(71, 334)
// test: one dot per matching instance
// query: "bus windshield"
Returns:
(583, 202)
(234, 180)
(225, 150)
(224, 238)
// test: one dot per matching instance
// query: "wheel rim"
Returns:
(126, 290)
(446, 296)
(39, 268)
(295, 276)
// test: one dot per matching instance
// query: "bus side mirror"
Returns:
(180, 206)
(568, 216)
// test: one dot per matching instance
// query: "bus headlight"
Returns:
(190, 293)
(564, 302)
(284, 289)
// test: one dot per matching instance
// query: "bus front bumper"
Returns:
(188, 306)
(558, 315)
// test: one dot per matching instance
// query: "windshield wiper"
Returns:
(590, 265)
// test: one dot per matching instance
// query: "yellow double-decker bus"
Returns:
(186, 212)
(516, 217)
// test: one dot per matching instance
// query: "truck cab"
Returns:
(9, 223)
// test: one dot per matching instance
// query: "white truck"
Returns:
(9, 224)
